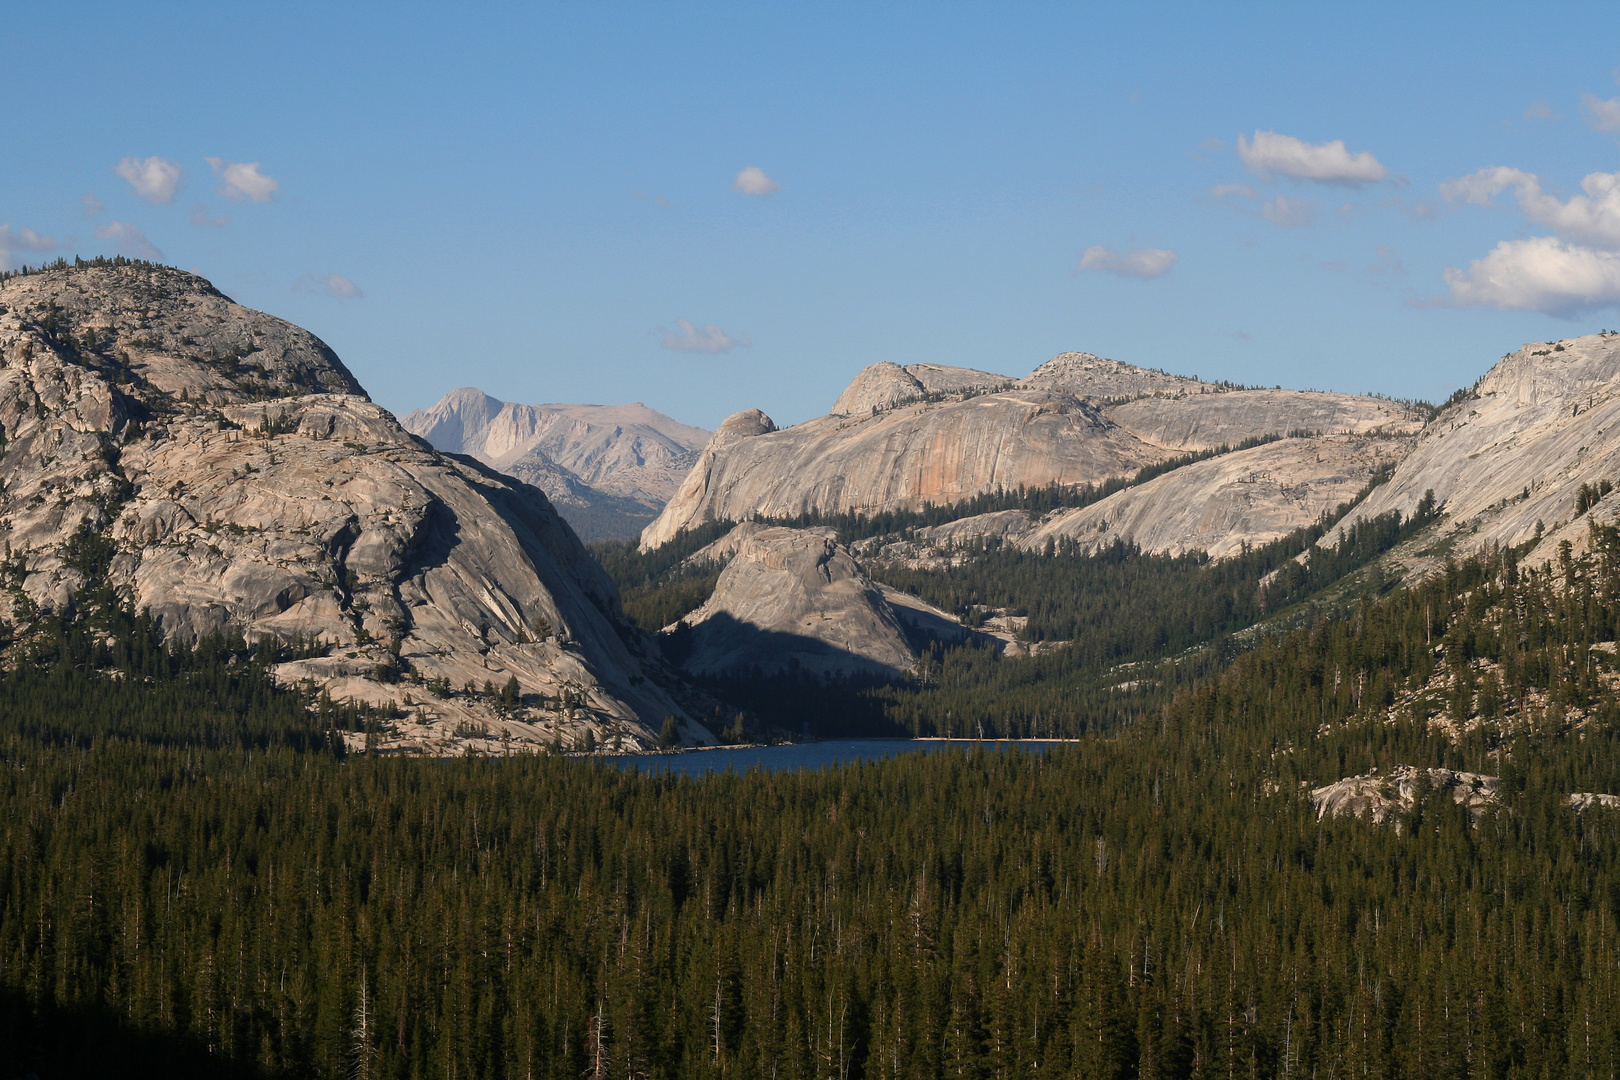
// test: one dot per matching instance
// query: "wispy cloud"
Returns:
(92, 205)
(201, 216)
(330, 285)
(753, 180)
(700, 339)
(1388, 264)
(154, 179)
(1601, 115)
(656, 200)
(128, 239)
(1228, 192)
(1140, 263)
(1288, 213)
(1592, 218)
(13, 241)
(1540, 110)
(1270, 155)
(243, 180)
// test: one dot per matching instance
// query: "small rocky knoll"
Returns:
(247, 484)
(884, 385)
(795, 601)
(1516, 450)
(608, 468)
(1381, 797)
(1096, 378)
(1077, 419)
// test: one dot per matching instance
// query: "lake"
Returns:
(798, 756)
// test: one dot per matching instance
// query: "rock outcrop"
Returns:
(796, 602)
(248, 484)
(1515, 450)
(1077, 419)
(609, 469)
(1380, 797)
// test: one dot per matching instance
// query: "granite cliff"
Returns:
(247, 484)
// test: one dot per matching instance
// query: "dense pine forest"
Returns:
(195, 881)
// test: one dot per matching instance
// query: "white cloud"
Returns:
(1540, 110)
(1593, 218)
(92, 205)
(243, 180)
(330, 284)
(1288, 213)
(201, 216)
(13, 241)
(128, 239)
(153, 179)
(706, 339)
(1270, 155)
(754, 181)
(1143, 263)
(1601, 115)
(1234, 191)
(1542, 274)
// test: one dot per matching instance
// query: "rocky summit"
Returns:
(247, 484)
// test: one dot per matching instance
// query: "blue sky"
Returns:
(555, 202)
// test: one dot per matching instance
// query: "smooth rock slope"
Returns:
(248, 484)
(1515, 451)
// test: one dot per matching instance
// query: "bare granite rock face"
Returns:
(1220, 504)
(248, 485)
(1208, 421)
(601, 465)
(1587, 800)
(1380, 797)
(1076, 419)
(1515, 451)
(795, 601)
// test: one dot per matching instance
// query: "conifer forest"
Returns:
(197, 880)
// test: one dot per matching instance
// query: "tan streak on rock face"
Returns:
(259, 509)
(1542, 422)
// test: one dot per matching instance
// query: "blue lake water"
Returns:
(816, 755)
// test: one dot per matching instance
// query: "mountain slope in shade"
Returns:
(609, 469)
(222, 470)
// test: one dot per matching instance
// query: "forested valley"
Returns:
(197, 881)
